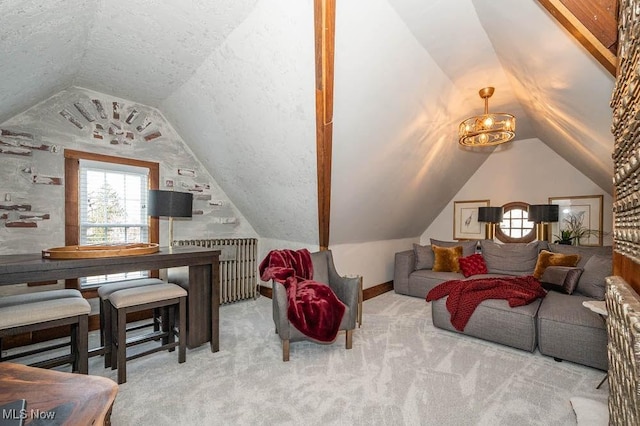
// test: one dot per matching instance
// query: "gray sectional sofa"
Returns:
(558, 325)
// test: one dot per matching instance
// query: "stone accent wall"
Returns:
(626, 156)
(32, 167)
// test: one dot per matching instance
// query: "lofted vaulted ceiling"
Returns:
(236, 80)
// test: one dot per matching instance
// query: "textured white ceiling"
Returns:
(236, 79)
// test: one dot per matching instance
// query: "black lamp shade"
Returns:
(539, 213)
(490, 214)
(170, 203)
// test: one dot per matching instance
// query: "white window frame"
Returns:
(137, 203)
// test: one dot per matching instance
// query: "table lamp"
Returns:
(490, 215)
(542, 215)
(170, 204)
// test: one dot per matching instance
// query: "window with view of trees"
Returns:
(106, 199)
(113, 204)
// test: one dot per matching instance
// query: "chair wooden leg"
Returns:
(285, 350)
(168, 325)
(106, 331)
(349, 334)
(82, 341)
(113, 351)
(182, 336)
(122, 346)
(73, 346)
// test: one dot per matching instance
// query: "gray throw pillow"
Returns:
(510, 259)
(424, 256)
(592, 282)
(468, 247)
(563, 279)
(585, 252)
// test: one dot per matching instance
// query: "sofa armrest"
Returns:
(405, 262)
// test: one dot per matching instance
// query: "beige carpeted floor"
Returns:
(401, 371)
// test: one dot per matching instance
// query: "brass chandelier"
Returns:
(489, 128)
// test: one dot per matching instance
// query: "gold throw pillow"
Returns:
(547, 258)
(446, 258)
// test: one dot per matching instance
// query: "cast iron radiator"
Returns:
(238, 266)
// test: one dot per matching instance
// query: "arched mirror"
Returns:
(515, 226)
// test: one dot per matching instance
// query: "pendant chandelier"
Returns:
(487, 129)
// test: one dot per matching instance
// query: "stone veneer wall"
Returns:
(626, 156)
(32, 167)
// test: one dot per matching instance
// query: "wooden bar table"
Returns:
(204, 280)
(55, 397)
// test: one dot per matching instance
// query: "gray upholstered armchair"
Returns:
(324, 271)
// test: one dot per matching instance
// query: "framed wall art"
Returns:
(465, 220)
(579, 220)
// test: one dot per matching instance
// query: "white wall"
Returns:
(373, 260)
(525, 170)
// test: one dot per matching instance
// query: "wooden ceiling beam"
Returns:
(593, 23)
(324, 30)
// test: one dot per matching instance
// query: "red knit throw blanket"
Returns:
(466, 295)
(313, 308)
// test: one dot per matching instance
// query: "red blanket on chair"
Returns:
(466, 295)
(313, 308)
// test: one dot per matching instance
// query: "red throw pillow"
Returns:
(472, 265)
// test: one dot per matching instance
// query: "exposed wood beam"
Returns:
(593, 23)
(324, 26)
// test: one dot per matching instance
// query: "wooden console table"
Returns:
(204, 280)
(55, 397)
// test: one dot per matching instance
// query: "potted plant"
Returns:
(564, 237)
(573, 230)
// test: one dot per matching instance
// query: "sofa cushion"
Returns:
(472, 265)
(510, 259)
(445, 259)
(424, 254)
(567, 330)
(561, 278)
(422, 281)
(592, 282)
(584, 251)
(547, 258)
(494, 320)
(468, 247)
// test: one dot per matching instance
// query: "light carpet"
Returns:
(401, 371)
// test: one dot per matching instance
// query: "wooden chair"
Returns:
(168, 298)
(46, 314)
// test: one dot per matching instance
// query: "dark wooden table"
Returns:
(204, 280)
(55, 397)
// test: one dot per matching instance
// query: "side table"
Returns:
(600, 308)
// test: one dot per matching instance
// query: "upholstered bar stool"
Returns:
(19, 299)
(46, 314)
(169, 298)
(104, 292)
